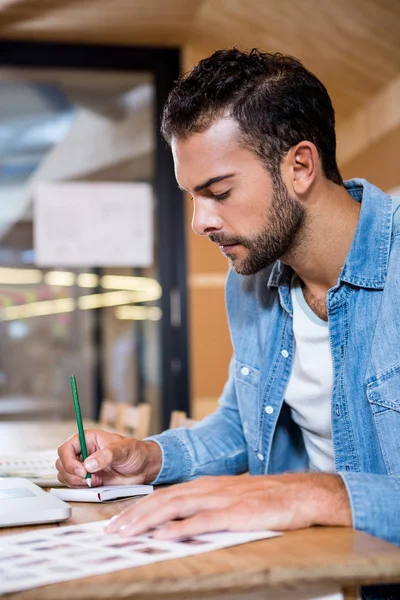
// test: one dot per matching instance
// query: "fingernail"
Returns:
(80, 472)
(91, 464)
(112, 523)
(129, 529)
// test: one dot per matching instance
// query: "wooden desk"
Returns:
(299, 565)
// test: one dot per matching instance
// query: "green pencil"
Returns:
(81, 431)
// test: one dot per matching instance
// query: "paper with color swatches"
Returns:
(43, 556)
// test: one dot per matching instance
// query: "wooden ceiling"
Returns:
(352, 45)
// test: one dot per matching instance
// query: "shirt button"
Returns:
(244, 371)
(260, 456)
(285, 353)
(269, 410)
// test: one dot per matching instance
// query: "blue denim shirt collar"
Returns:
(366, 262)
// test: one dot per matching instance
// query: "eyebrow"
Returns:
(206, 184)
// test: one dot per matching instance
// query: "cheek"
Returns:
(248, 218)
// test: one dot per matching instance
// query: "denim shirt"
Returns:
(253, 429)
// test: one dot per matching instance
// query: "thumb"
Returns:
(111, 455)
(99, 460)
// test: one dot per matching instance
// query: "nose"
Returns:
(205, 220)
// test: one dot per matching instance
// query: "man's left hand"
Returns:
(238, 503)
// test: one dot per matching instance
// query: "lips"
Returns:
(225, 248)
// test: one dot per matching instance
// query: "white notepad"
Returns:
(39, 467)
(101, 493)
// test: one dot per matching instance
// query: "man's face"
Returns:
(237, 205)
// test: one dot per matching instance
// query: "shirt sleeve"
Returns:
(215, 446)
(375, 503)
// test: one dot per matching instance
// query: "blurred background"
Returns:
(81, 90)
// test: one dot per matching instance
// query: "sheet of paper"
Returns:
(84, 224)
(44, 556)
(37, 466)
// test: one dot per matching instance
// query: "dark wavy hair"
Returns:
(275, 100)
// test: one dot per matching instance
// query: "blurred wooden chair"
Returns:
(134, 420)
(125, 418)
(180, 419)
(109, 414)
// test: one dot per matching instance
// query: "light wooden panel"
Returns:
(379, 163)
(98, 21)
(204, 406)
(352, 46)
(372, 122)
(210, 343)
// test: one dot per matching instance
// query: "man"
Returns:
(312, 403)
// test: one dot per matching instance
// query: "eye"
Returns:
(221, 196)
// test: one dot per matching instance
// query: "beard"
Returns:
(278, 236)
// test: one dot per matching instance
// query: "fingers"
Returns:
(174, 502)
(231, 515)
(142, 517)
(70, 467)
(117, 454)
(202, 522)
(65, 477)
(152, 504)
(206, 504)
(72, 480)
(99, 460)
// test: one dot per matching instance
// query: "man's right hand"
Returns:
(113, 459)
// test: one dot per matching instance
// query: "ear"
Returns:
(301, 166)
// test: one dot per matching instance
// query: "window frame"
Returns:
(164, 65)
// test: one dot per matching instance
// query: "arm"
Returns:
(277, 502)
(375, 498)
(215, 446)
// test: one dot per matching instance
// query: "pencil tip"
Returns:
(89, 482)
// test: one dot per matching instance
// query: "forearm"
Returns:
(216, 446)
(329, 501)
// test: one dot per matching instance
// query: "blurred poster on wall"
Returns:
(84, 224)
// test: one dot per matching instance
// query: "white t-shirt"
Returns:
(309, 390)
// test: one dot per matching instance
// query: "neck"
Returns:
(325, 238)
